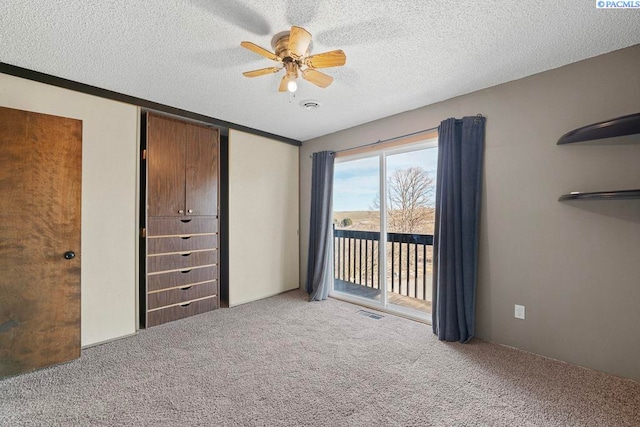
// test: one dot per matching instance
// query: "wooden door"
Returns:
(40, 181)
(165, 166)
(202, 171)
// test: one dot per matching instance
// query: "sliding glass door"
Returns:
(357, 227)
(386, 193)
(410, 208)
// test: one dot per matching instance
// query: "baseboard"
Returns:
(84, 347)
(263, 297)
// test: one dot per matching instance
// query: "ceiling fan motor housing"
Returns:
(281, 46)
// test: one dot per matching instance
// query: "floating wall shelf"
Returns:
(620, 126)
(602, 195)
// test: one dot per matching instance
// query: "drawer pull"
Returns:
(187, 254)
(185, 288)
(185, 305)
(185, 271)
(185, 220)
(185, 237)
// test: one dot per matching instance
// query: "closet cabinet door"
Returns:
(201, 171)
(166, 156)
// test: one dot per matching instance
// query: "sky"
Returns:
(356, 182)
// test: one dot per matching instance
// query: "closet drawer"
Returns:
(176, 312)
(161, 245)
(156, 282)
(188, 293)
(181, 261)
(168, 226)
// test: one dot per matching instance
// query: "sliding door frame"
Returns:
(384, 305)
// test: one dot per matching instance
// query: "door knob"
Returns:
(69, 255)
(181, 211)
(190, 211)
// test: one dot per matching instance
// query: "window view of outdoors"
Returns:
(410, 203)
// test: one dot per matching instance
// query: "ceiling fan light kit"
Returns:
(292, 50)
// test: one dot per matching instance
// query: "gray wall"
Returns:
(575, 266)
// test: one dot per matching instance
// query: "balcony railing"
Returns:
(356, 255)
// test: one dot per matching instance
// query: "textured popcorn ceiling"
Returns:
(401, 54)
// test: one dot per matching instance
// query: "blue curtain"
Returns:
(320, 262)
(455, 247)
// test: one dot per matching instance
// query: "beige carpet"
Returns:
(286, 362)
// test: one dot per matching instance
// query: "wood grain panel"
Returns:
(163, 245)
(157, 282)
(165, 166)
(182, 213)
(176, 312)
(202, 170)
(187, 293)
(40, 190)
(181, 226)
(181, 261)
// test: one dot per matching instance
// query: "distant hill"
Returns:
(370, 221)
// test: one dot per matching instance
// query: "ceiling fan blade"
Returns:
(299, 40)
(260, 51)
(283, 84)
(317, 78)
(261, 72)
(335, 58)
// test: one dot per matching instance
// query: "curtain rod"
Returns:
(380, 141)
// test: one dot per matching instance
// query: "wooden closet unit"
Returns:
(181, 232)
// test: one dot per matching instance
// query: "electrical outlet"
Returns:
(519, 312)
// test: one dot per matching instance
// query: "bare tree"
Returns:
(410, 194)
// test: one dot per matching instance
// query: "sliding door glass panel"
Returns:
(356, 222)
(410, 206)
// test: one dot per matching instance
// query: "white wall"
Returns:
(109, 187)
(263, 217)
(575, 266)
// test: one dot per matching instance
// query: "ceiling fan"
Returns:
(292, 50)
